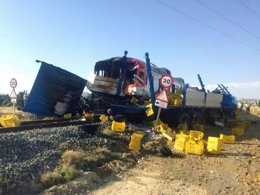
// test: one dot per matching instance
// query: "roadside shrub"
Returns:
(74, 158)
(107, 131)
(67, 172)
(64, 146)
(51, 178)
(90, 161)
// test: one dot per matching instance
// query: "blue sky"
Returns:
(75, 34)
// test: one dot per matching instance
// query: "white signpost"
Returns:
(166, 81)
(162, 99)
(13, 96)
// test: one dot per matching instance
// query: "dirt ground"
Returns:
(235, 171)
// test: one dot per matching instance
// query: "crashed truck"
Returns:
(124, 86)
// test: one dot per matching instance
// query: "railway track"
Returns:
(30, 125)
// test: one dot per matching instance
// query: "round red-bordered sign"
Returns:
(166, 81)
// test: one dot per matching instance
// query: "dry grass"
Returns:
(68, 173)
(74, 158)
(51, 178)
(107, 131)
(71, 162)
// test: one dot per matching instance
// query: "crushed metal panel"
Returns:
(55, 91)
(195, 98)
(214, 100)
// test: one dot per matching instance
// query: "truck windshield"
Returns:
(108, 68)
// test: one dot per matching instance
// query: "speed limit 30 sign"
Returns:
(166, 81)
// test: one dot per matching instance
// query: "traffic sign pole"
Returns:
(166, 81)
(157, 117)
(13, 84)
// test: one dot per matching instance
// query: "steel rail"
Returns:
(30, 125)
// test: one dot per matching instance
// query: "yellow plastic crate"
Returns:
(229, 139)
(196, 135)
(67, 116)
(135, 143)
(169, 136)
(164, 128)
(159, 123)
(180, 135)
(103, 118)
(238, 131)
(10, 120)
(185, 132)
(177, 101)
(194, 147)
(88, 115)
(149, 111)
(118, 126)
(180, 142)
(214, 145)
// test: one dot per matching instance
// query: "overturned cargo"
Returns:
(55, 92)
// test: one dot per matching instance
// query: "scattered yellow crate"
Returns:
(194, 147)
(180, 142)
(88, 115)
(164, 128)
(238, 131)
(196, 135)
(67, 116)
(149, 111)
(186, 136)
(135, 143)
(159, 123)
(178, 101)
(9, 120)
(214, 145)
(185, 132)
(175, 98)
(229, 139)
(103, 118)
(118, 126)
(169, 136)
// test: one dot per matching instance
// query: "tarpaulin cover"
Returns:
(55, 92)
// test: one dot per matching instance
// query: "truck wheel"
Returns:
(184, 118)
